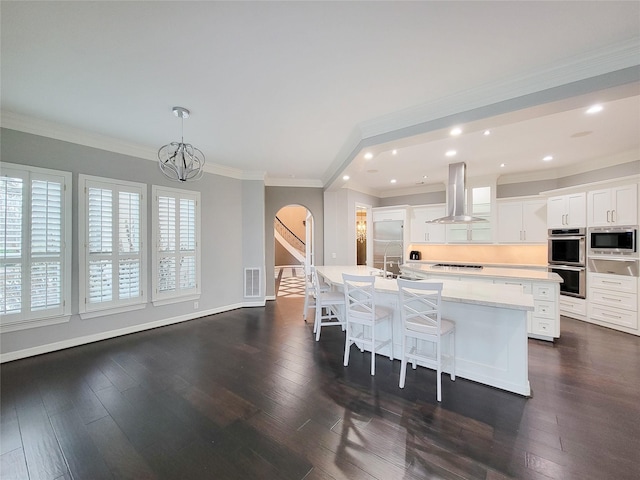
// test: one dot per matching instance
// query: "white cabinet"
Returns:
(423, 232)
(522, 221)
(613, 206)
(573, 307)
(382, 214)
(544, 321)
(567, 211)
(613, 301)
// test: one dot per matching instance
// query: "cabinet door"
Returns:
(625, 205)
(510, 228)
(534, 221)
(556, 212)
(436, 232)
(423, 232)
(600, 208)
(577, 210)
(418, 225)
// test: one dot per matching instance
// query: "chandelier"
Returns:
(181, 161)
(361, 231)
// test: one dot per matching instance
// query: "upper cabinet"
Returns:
(423, 232)
(567, 211)
(382, 214)
(522, 221)
(613, 206)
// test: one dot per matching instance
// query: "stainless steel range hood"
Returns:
(456, 197)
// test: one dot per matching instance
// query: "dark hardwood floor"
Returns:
(250, 394)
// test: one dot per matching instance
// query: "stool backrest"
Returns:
(420, 305)
(359, 296)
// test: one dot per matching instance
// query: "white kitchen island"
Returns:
(491, 326)
(543, 322)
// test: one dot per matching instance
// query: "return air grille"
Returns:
(251, 282)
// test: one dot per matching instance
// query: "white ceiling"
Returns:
(294, 89)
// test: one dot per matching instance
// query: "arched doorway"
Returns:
(293, 249)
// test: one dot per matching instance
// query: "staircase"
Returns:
(289, 240)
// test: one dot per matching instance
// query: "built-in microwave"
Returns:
(567, 246)
(613, 240)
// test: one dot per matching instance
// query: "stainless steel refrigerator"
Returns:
(388, 243)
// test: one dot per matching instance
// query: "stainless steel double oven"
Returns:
(568, 257)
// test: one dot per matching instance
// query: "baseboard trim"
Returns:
(75, 342)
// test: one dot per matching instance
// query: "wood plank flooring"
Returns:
(250, 394)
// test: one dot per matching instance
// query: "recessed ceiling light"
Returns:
(394, 152)
(393, 180)
(346, 177)
(548, 158)
(455, 131)
(594, 109)
(502, 165)
(424, 176)
(486, 133)
(368, 155)
(451, 153)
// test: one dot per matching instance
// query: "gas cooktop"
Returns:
(456, 266)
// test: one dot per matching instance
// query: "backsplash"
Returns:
(489, 254)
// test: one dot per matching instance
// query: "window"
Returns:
(176, 253)
(112, 230)
(35, 247)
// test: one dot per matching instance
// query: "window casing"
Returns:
(112, 233)
(176, 251)
(35, 247)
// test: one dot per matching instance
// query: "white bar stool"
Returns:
(329, 306)
(420, 309)
(310, 291)
(361, 309)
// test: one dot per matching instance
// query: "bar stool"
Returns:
(329, 306)
(310, 291)
(420, 309)
(361, 309)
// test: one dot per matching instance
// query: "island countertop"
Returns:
(490, 325)
(493, 272)
(473, 293)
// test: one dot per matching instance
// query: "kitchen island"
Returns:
(543, 323)
(491, 326)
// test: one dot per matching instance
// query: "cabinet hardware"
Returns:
(613, 216)
(611, 283)
(605, 314)
(608, 215)
(612, 299)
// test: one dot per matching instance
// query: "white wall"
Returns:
(232, 237)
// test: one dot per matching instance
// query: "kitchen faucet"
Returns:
(384, 261)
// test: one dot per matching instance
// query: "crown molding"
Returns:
(561, 172)
(65, 133)
(293, 182)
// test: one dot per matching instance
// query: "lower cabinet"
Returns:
(613, 301)
(573, 307)
(544, 321)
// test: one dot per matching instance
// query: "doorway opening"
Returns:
(361, 235)
(293, 250)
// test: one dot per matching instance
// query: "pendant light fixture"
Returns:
(181, 161)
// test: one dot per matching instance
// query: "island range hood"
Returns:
(456, 197)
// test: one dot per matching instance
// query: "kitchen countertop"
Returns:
(474, 293)
(495, 272)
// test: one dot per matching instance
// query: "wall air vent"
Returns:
(252, 282)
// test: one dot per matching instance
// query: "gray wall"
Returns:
(275, 199)
(232, 235)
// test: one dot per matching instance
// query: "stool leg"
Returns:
(347, 344)
(373, 349)
(403, 363)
